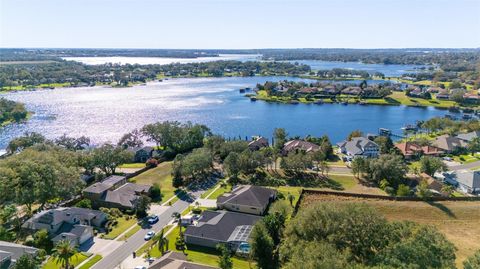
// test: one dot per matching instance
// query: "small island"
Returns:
(11, 112)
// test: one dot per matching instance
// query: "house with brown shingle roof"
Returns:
(247, 199)
(299, 145)
(449, 143)
(412, 150)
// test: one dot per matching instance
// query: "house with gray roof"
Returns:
(359, 147)
(468, 181)
(449, 144)
(247, 199)
(115, 192)
(141, 154)
(258, 143)
(221, 227)
(176, 260)
(11, 252)
(72, 223)
(468, 137)
(299, 145)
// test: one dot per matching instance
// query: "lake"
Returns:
(105, 114)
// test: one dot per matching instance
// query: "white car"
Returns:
(140, 267)
(149, 235)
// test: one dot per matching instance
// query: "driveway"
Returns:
(158, 210)
(101, 246)
(207, 202)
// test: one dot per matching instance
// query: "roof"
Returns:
(357, 145)
(469, 136)
(449, 143)
(300, 145)
(105, 184)
(469, 178)
(220, 225)
(15, 251)
(62, 214)
(248, 195)
(410, 148)
(176, 260)
(74, 233)
(258, 142)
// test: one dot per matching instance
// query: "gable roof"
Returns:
(469, 136)
(15, 251)
(410, 148)
(300, 145)
(62, 214)
(258, 143)
(469, 178)
(449, 143)
(219, 225)
(105, 184)
(357, 145)
(248, 195)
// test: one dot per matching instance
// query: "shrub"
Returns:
(84, 203)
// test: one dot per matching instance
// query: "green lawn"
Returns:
(162, 174)
(131, 232)
(467, 158)
(75, 260)
(215, 193)
(91, 262)
(346, 181)
(200, 255)
(122, 226)
(150, 243)
(132, 165)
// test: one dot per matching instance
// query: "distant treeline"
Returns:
(77, 73)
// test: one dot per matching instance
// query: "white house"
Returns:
(359, 147)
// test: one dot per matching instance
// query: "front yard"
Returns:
(122, 225)
(75, 260)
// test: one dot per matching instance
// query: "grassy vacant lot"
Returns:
(458, 220)
(91, 262)
(201, 255)
(75, 260)
(122, 226)
(162, 174)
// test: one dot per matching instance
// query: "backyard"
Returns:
(162, 175)
(458, 220)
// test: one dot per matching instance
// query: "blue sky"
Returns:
(239, 24)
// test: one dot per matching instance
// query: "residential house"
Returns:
(443, 94)
(307, 90)
(299, 145)
(434, 89)
(141, 154)
(468, 181)
(11, 252)
(468, 137)
(448, 143)
(176, 260)
(416, 92)
(471, 98)
(247, 199)
(359, 147)
(412, 150)
(329, 90)
(258, 143)
(72, 223)
(352, 91)
(115, 191)
(221, 227)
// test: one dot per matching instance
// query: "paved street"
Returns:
(465, 166)
(136, 241)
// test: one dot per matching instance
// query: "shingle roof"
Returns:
(469, 178)
(248, 195)
(105, 184)
(58, 215)
(300, 145)
(15, 250)
(219, 225)
(469, 136)
(449, 143)
(357, 145)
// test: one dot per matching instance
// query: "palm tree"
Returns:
(63, 253)
(162, 243)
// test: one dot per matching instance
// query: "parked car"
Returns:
(140, 267)
(149, 235)
(152, 219)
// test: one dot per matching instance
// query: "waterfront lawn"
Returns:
(403, 99)
(75, 260)
(122, 225)
(199, 254)
(162, 175)
(91, 262)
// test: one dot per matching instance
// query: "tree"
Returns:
(262, 246)
(25, 141)
(225, 260)
(290, 198)
(473, 261)
(388, 166)
(317, 158)
(355, 133)
(6, 235)
(280, 137)
(156, 193)
(84, 203)
(131, 140)
(359, 166)
(232, 166)
(403, 190)
(193, 167)
(431, 165)
(26, 262)
(108, 157)
(316, 255)
(162, 243)
(385, 144)
(63, 253)
(296, 162)
(448, 189)
(41, 239)
(71, 143)
(474, 145)
(423, 191)
(142, 205)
